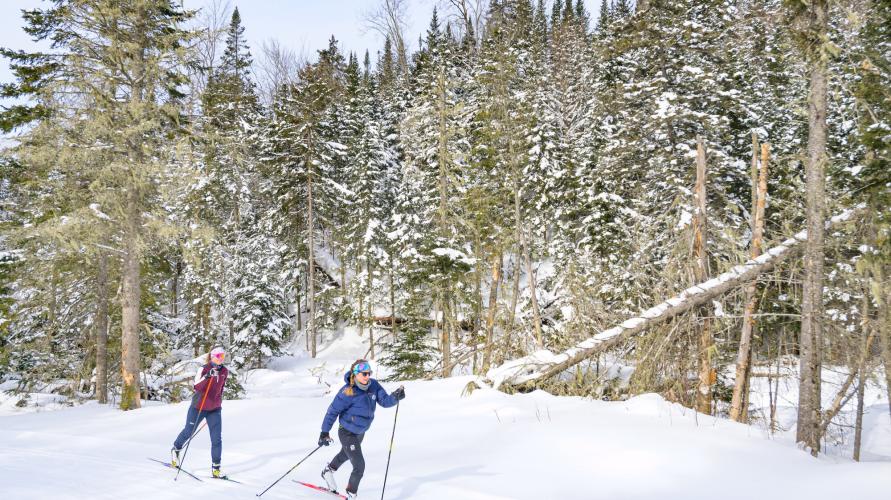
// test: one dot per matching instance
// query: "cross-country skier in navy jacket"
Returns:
(354, 405)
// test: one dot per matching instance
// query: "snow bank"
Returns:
(486, 446)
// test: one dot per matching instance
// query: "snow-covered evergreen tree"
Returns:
(435, 165)
(110, 106)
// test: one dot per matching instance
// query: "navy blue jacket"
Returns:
(357, 411)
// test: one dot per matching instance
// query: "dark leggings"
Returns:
(350, 448)
(214, 425)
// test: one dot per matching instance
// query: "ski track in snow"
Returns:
(484, 446)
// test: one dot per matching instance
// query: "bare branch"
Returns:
(466, 14)
(277, 66)
(212, 22)
(543, 364)
(389, 20)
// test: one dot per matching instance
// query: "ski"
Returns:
(226, 478)
(320, 489)
(170, 466)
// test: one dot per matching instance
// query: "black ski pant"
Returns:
(350, 449)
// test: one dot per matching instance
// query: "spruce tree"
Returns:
(508, 69)
(603, 18)
(300, 151)
(435, 166)
(874, 97)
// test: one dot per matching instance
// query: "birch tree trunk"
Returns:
(536, 312)
(490, 313)
(101, 323)
(443, 159)
(368, 313)
(178, 271)
(310, 225)
(883, 315)
(445, 337)
(700, 253)
(811, 340)
(393, 327)
(740, 400)
(861, 382)
(858, 424)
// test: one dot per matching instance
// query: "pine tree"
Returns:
(539, 29)
(121, 63)
(581, 15)
(410, 356)
(300, 152)
(603, 19)
(874, 98)
(622, 8)
(261, 321)
(435, 166)
(505, 81)
(387, 65)
(556, 13)
(221, 197)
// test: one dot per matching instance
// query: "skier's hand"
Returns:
(399, 393)
(212, 373)
(324, 439)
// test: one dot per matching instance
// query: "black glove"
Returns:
(399, 394)
(324, 439)
(212, 373)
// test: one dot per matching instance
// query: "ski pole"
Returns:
(203, 423)
(289, 471)
(387, 471)
(200, 409)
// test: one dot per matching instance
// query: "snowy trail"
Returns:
(484, 446)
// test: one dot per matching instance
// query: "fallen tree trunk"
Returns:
(542, 365)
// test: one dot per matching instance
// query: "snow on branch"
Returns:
(544, 364)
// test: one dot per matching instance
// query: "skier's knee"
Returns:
(359, 466)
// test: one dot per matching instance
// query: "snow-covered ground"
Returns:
(486, 445)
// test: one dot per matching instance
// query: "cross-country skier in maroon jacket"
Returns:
(207, 403)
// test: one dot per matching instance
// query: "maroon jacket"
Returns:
(214, 393)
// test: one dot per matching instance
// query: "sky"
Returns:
(303, 26)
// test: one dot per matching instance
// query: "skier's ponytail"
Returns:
(349, 391)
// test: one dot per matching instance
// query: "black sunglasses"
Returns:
(367, 374)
